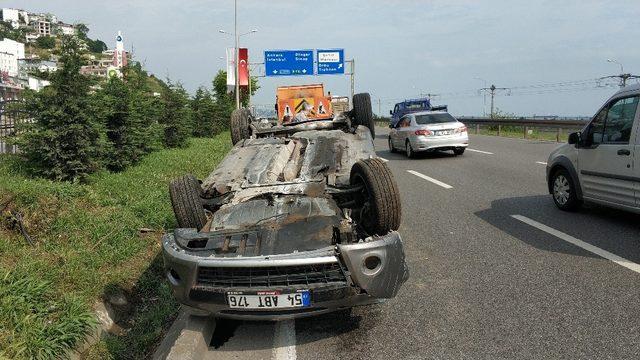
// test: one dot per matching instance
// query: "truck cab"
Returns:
(412, 106)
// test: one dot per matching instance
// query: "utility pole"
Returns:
(492, 91)
(379, 107)
(353, 80)
(623, 76)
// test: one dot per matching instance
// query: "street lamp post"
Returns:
(237, 56)
(616, 62)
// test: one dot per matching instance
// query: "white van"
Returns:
(601, 164)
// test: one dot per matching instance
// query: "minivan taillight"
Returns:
(424, 132)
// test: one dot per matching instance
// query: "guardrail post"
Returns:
(526, 131)
(477, 129)
(558, 134)
(499, 129)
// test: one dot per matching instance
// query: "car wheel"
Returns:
(240, 120)
(362, 113)
(380, 210)
(185, 198)
(458, 151)
(391, 148)
(563, 191)
(409, 150)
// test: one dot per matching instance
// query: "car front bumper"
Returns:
(365, 281)
(424, 143)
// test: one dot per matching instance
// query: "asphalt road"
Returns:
(484, 284)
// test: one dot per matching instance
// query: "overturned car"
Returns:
(298, 219)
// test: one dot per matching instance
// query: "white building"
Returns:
(12, 47)
(66, 29)
(37, 84)
(15, 17)
(10, 52)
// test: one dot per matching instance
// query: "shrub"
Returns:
(63, 140)
(176, 116)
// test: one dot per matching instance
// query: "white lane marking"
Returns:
(383, 159)
(541, 162)
(284, 341)
(570, 239)
(480, 151)
(423, 176)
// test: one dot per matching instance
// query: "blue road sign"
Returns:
(288, 62)
(330, 61)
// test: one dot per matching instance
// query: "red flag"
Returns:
(243, 67)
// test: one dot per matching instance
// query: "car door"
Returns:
(400, 133)
(606, 157)
(636, 159)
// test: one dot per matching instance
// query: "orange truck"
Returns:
(294, 99)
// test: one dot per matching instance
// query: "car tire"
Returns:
(362, 113)
(185, 195)
(458, 151)
(391, 148)
(409, 150)
(563, 191)
(240, 120)
(381, 211)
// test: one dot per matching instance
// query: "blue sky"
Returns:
(401, 48)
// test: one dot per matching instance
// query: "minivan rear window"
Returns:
(434, 119)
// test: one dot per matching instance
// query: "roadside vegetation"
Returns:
(84, 204)
(90, 241)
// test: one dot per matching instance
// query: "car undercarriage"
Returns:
(297, 220)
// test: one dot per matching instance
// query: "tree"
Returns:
(96, 46)
(129, 122)
(220, 89)
(224, 103)
(176, 115)
(46, 42)
(82, 31)
(63, 141)
(202, 110)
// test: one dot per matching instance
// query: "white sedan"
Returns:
(428, 131)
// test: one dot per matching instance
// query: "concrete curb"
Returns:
(187, 338)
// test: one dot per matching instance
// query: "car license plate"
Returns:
(269, 300)
(444, 132)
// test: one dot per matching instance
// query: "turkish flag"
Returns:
(243, 67)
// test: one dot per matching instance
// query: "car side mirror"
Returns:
(574, 138)
(390, 112)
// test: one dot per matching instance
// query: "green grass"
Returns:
(88, 245)
(518, 132)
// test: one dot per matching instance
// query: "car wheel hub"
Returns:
(561, 189)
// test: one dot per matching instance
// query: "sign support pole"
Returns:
(237, 64)
(353, 81)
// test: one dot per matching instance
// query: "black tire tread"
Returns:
(384, 192)
(363, 112)
(240, 119)
(185, 199)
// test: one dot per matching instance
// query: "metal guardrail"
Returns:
(559, 125)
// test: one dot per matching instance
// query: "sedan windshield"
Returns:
(434, 119)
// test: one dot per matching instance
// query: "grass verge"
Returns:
(88, 245)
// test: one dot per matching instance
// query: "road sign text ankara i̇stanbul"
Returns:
(288, 62)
